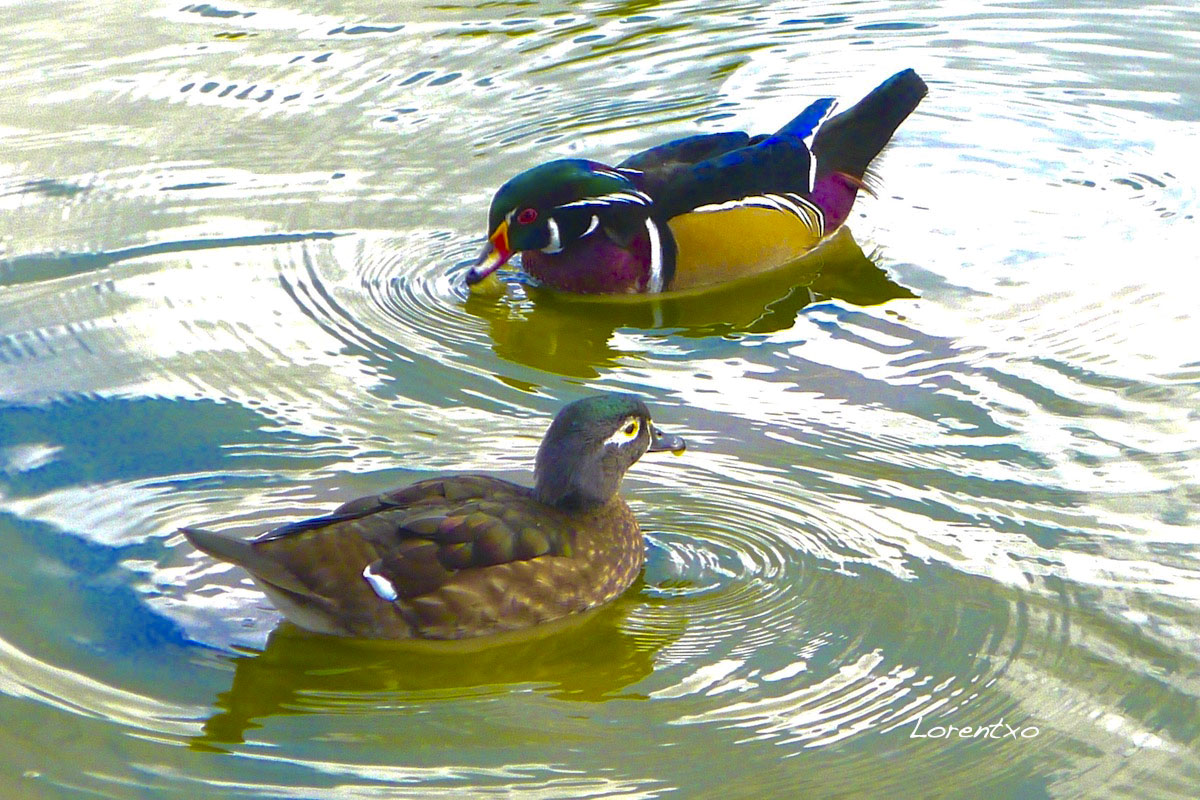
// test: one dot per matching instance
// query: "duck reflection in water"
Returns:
(572, 334)
(589, 658)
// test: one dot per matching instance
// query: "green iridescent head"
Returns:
(548, 206)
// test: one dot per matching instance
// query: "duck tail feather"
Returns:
(238, 551)
(849, 141)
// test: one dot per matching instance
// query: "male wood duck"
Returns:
(468, 555)
(695, 211)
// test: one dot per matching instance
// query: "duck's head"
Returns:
(590, 445)
(550, 206)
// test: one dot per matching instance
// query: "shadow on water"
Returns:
(300, 673)
(572, 335)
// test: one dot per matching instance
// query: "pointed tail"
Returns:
(847, 143)
(243, 553)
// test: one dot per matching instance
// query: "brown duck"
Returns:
(468, 555)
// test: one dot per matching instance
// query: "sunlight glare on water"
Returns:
(943, 475)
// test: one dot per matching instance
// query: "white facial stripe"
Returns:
(632, 197)
(381, 585)
(555, 245)
(656, 258)
(620, 437)
(595, 223)
(635, 197)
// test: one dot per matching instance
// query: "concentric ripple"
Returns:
(932, 536)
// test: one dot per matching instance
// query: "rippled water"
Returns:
(950, 482)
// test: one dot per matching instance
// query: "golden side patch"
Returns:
(721, 242)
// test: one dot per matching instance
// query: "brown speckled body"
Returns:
(469, 555)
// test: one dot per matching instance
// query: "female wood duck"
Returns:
(695, 211)
(467, 555)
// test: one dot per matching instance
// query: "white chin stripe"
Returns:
(555, 245)
(656, 258)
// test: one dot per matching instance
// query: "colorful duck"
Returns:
(696, 211)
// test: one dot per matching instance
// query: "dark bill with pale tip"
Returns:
(661, 442)
(488, 262)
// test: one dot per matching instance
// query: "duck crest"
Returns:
(564, 182)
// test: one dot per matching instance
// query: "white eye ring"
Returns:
(629, 430)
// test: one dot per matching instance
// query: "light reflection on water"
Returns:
(233, 295)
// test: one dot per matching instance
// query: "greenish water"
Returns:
(232, 240)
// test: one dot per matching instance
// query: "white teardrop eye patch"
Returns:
(629, 430)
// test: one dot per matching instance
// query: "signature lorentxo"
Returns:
(997, 730)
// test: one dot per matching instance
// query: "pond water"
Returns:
(949, 483)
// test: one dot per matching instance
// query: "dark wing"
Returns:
(716, 167)
(443, 559)
(804, 124)
(410, 542)
(771, 165)
(651, 170)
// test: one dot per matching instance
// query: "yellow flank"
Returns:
(721, 245)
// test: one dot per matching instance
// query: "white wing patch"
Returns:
(381, 585)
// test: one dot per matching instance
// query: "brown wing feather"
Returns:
(425, 532)
(415, 541)
(445, 558)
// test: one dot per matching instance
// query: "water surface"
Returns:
(945, 476)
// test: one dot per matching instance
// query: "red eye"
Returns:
(527, 216)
